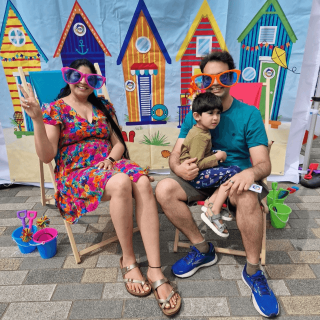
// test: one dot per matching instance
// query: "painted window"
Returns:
(204, 45)
(196, 70)
(249, 73)
(79, 29)
(267, 35)
(143, 44)
(16, 37)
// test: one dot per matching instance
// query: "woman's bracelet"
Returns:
(110, 159)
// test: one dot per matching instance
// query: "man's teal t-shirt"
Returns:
(240, 128)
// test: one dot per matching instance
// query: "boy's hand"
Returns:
(221, 156)
(188, 169)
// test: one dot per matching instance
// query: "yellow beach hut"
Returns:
(18, 48)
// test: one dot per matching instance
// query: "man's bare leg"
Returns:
(171, 197)
(250, 223)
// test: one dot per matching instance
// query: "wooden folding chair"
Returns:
(178, 243)
(50, 199)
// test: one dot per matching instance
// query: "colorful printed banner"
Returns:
(148, 51)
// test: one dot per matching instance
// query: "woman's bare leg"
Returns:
(148, 222)
(119, 191)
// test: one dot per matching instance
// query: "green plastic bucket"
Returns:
(270, 199)
(280, 218)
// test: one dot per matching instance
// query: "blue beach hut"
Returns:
(269, 29)
(80, 40)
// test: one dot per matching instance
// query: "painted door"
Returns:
(270, 70)
(144, 82)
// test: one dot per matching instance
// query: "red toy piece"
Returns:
(291, 190)
(313, 166)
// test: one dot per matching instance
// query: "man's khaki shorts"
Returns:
(194, 195)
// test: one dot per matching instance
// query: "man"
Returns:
(242, 136)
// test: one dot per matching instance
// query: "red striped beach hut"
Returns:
(203, 37)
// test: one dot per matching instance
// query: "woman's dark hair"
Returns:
(206, 101)
(95, 101)
(222, 56)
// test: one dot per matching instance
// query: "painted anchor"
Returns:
(81, 45)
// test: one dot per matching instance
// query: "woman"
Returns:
(80, 131)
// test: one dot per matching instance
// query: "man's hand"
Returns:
(187, 170)
(241, 181)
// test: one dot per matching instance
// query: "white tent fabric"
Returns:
(301, 112)
(4, 165)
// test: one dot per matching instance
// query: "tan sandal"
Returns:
(125, 270)
(163, 302)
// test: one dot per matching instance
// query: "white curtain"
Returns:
(307, 83)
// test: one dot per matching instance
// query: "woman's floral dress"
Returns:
(81, 146)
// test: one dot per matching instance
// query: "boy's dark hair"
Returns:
(223, 56)
(206, 101)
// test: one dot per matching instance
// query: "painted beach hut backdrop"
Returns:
(18, 48)
(268, 30)
(143, 56)
(203, 37)
(80, 40)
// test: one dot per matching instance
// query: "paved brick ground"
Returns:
(34, 288)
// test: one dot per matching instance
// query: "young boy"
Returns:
(206, 109)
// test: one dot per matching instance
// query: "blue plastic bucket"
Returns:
(24, 247)
(46, 240)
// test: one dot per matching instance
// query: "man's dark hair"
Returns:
(206, 101)
(222, 56)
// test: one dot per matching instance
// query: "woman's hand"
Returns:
(105, 164)
(30, 104)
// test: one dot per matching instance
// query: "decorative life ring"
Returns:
(159, 112)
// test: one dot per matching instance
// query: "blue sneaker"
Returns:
(263, 298)
(193, 261)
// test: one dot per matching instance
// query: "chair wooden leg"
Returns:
(176, 240)
(264, 240)
(44, 199)
(102, 244)
(72, 242)
(53, 180)
(42, 190)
